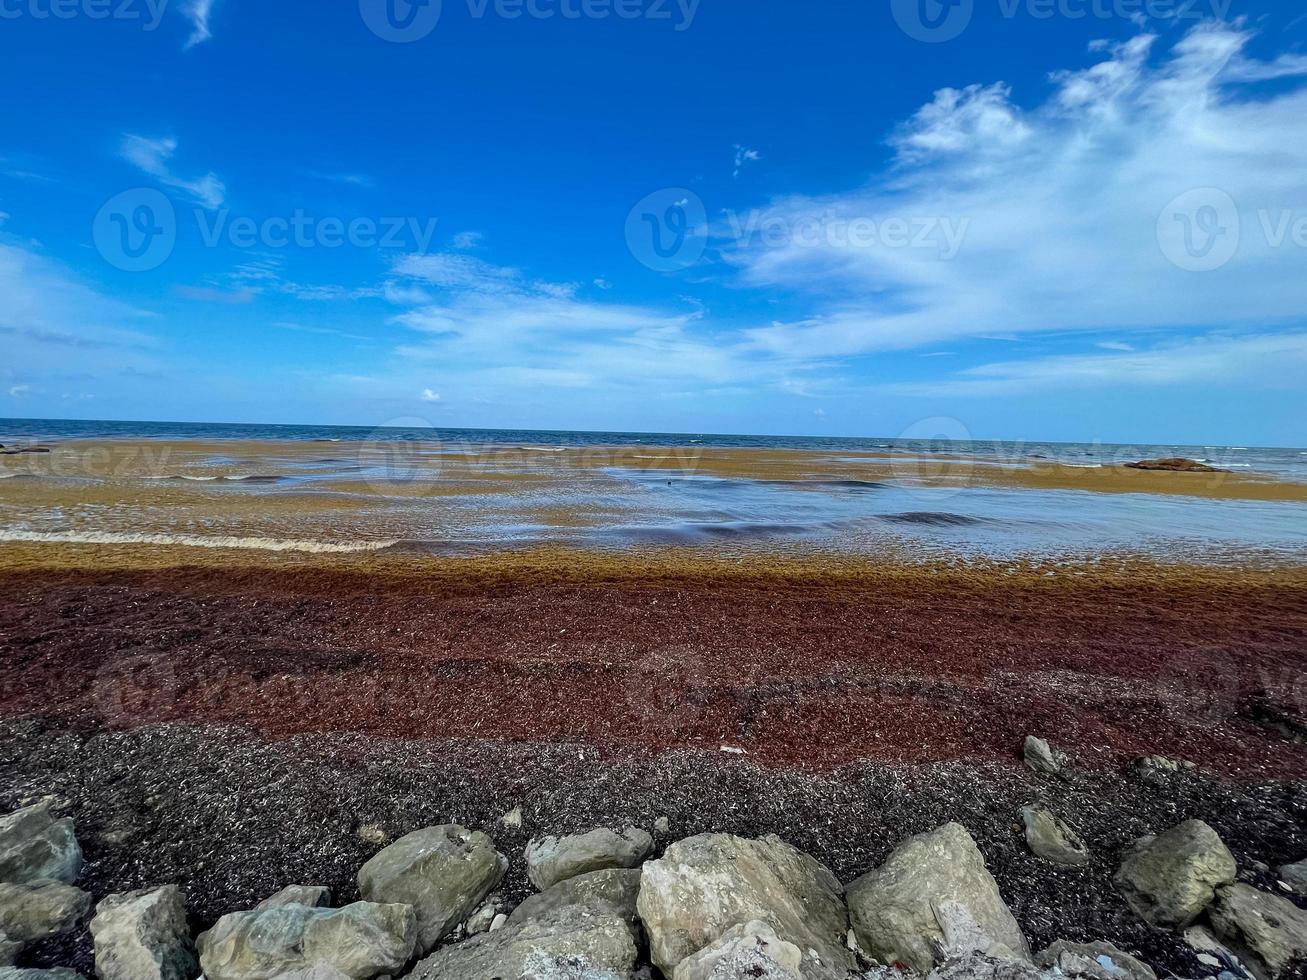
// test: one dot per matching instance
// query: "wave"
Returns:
(543, 449)
(256, 478)
(933, 519)
(193, 541)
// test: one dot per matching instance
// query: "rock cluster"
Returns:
(710, 907)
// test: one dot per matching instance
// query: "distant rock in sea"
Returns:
(1175, 464)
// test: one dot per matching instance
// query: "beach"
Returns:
(246, 664)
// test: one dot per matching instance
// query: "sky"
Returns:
(1017, 219)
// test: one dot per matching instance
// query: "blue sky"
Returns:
(1039, 219)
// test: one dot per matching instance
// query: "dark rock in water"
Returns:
(1177, 464)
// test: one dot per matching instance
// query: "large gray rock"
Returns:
(1215, 955)
(614, 890)
(550, 860)
(34, 846)
(443, 872)
(143, 935)
(9, 950)
(314, 896)
(1169, 879)
(1093, 961)
(751, 949)
(1051, 839)
(1295, 876)
(1266, 932)
(359, 942)
(571, 943)
(933, 898)
(705, 885)
(40, 909)
(971, 966)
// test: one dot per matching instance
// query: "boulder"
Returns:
(1169, 879)
(40, 909)
(703, 886)
(484, 917)
(614, 891)
(14, 973)
(1040, 757)
(9, 950)
(358, 942)
(314, 896)
(1295, 876)
(1174, 464)
(550, 860)
(933, 898)
(1266, 932)
(1093, 961)
(1212, 953)
(143, 935)
(751, 949)
(443, 872)
(571, 943)
(34, 846)
(1051, 839)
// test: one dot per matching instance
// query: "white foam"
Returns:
(193, 541)
(543, 449)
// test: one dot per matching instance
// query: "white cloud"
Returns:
(1061, 204)
(152, 156)
(18, 391)
(197, 12)
(467, 239)
(744, 155)
(1225, 362)
(430, 396)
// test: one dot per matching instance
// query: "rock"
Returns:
(1295, 876)
(751, 949)
(1169, 879)
(143, 935)
(1040, 757)
(570, 943)
(613, 891)
(1175, 464)
(550, 860)
(443, 872)
(1051, 839)
(9, 950)
(704, 885)
(1268, 933)
(1210, 952)
(662, 826)
(314, 896)
(933, 898)
(1094, 961)
(34, 846)
(501, 920)
(359, 942)
(13, 973)
(512, 819)
(372, 833)
(972, 966)
(40, 909)
(484, 917)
